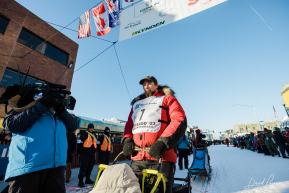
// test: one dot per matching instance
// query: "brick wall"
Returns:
(41, 66)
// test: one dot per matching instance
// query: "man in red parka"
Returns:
(158, 121)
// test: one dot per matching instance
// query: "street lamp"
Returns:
(254, 111)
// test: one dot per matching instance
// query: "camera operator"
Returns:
(38, 151)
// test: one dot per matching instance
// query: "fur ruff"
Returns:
(162, 89)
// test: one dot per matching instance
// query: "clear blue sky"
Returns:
(216, 58)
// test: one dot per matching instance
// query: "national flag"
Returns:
(113, 10)
(129, 0)
(84, 26)
(101, 20)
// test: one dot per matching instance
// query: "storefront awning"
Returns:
(100, 125)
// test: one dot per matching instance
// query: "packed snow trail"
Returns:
(233, 170)
(236, 170)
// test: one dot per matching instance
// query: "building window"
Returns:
(51, 52)
(10, 78)
(28, 39)
(39, 45)
(3, 24)
(254, 128)
(62, 57)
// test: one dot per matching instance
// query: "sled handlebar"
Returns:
(136, 148)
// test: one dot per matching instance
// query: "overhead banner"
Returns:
(138, 17)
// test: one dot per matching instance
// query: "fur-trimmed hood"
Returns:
(166, 90)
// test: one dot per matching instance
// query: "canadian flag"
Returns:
(101, 20)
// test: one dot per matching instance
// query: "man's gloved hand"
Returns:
(128, 146)
(47, 101)
(157, 149)
(58, 107)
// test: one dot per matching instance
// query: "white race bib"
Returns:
(146, 115)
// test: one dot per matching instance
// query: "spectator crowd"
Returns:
(269, 143)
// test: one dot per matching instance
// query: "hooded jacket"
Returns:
(183, 143)
(39, 140)
(279, 138)
(158, 117)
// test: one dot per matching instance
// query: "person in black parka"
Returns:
(104, 147)
(280, 141)
(87, 155)
(227, 141)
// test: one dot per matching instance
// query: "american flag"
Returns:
(84, 26)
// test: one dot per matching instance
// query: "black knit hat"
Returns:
(90, 125)
(149, 78)
(107, 128)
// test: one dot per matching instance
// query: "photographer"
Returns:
(38, 151)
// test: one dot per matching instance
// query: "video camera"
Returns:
(21, 97)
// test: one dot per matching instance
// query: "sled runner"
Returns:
(150, 181)
(201, 162)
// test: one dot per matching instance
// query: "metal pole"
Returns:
(286, 110)
(257, 118)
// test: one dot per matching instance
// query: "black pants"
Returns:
(183, 153)
(259, 149)
(265, 150)
(287, 148)
(282, 149)
(167, 169)
(104, 157)
(86, 166)
(47, 180)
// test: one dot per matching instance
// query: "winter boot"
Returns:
(80, 183)
(88, 181)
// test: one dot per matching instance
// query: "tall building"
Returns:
(28, 41)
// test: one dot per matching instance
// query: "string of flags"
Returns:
(103, 22)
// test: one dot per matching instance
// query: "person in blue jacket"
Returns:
(38, 151)
(183, 151)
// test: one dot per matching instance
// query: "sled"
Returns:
(152, 181)
(201, 163)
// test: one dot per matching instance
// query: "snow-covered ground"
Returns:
(244, 171)
(233, 170)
